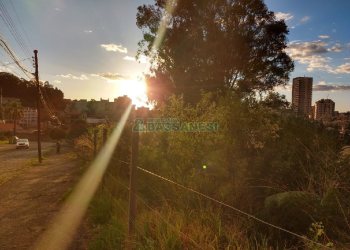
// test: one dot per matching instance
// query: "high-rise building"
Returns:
(324, 109)
(302, 95)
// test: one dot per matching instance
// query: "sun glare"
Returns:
(136, 89)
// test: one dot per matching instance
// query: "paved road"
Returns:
(14, 161)
(31, 194)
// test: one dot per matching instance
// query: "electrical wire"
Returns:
(13, 56)
(13, 29)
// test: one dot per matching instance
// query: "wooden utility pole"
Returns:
(38, 103)
(132, 183)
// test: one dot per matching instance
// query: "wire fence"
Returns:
(250, 216)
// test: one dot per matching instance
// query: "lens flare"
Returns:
(62, 230)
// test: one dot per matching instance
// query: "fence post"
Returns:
(132, 183)
(104, 136)
(95, 142)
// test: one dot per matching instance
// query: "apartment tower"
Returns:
(302, 96)
(324, 109)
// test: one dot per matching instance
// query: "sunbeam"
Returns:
(62, 230)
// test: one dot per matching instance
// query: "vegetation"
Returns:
(14, 87)
(213, 45)
(13, 111)
(263, 160)
(286, 171)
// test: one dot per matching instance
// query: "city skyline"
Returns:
(80, 50)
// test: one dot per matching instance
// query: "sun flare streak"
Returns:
(62, 230)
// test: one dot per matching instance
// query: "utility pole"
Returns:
(132, 183)
(38, 103)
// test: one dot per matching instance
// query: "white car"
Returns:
(22, 143)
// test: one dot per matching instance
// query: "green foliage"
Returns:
(111, 237)
(78, 128)
(263, 160)
(14, 87)
(101, 208)
(213, 45)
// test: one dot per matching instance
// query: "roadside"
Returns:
(31, 194)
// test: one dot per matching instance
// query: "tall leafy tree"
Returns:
(217, 44)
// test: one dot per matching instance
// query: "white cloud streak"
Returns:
(323, 86)
(305, 19)
(284, 16)
(111, 76)
(129, 58)
(313, 54)
(114, 48)
(82, 77)
(324, 36)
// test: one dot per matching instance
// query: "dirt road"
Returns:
(31, 194)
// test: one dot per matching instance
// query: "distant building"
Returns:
(29, 117)
(98, 110)
(302, 96)
(95, 121)
(6, 100)
(324, 109)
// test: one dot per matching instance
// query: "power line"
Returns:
(13, 56)
(10, 63)
(230, 206)
(12, 28)
(20, 23)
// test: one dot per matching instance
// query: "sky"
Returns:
(87, 48)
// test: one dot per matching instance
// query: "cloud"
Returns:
(140, 59)
(111, 76)
(82, 77)
(284, 16)
(309, 53)
(324, 36)
(342, 69)
(336, 48)
(304, 19)
(57, 81)
(129, 58)
(323, 86)
(313, 54)
(88, 31)
(115, 48)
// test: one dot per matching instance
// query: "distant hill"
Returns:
(15, 87)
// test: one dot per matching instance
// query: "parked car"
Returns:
(22, 143)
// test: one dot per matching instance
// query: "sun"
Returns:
(136, 90)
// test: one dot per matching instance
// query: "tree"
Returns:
(14, 111)
(57, 134)
(211, 45)
(14, 87)
(78, 128)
